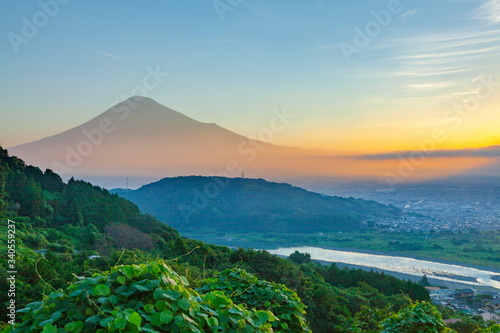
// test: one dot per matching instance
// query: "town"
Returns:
(468, 301)
(454, 205)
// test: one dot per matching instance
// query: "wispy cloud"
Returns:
(109, 55)
(453, 53)
(432, 85)
(443, 55)
(489, 11)
(442, 65)
(408, 14)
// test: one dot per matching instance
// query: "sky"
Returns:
(363, 76)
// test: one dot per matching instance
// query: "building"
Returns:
(465, 294)
(487, 316)
(492, 305)
(440, 293)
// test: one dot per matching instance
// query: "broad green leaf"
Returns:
(135, 319)
(166, 317)
(121, 280)
(120, 323)
(105, 321)
(49, 328)
(139, 287)
(184, 304)
(74, 326)
(262, 316)
(212, 321)
(77, 292)
(101, 290)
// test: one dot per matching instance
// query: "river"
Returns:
(435, 270)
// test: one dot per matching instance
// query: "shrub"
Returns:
(58, 248)
(262, 295)
(149, 297)
(416, 318)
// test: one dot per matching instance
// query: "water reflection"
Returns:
(445, 272)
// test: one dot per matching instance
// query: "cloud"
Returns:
(432, 85)
(408, 13)
(109, 55)
(441, 56)
(440, 66)
(489, 11)
(488, 152)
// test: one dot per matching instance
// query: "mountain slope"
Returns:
(142, 139)
(250, 205)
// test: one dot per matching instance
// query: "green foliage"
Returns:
(467, 325)
(247, 289)
(52, 182)
(300, 258)
(492, 329)
(3, 194)
(367, 319)
(148, 297)
(26, 192)
(416, 318)
(386, 284)
(424, 281)
(85, 203)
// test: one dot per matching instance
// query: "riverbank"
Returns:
(402, 276)
(406, 255)
(463, 281)
(431, 249)
(449, 273)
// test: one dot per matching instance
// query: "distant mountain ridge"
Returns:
(144, 141)
(219, 204)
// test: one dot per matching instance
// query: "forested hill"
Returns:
(250, 205)
(44, 198)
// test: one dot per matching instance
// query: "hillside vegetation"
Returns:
(250, 205)
(107, 267)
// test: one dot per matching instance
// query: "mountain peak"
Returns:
(134, 101)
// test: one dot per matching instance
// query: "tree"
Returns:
(74, 213)
(424, 281)
(300, 258)
(33, 172)
(416, 318)
(3, 179)
(52, 182)
(26, 192)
